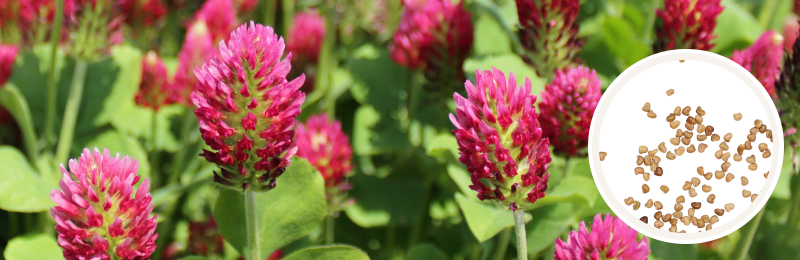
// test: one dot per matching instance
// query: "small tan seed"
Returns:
(639, 160)
(666, 217)
(700, 111)
(708, 175)
(729, 207)
(753, 130)
(656, 159)
(727, 137)
(751, 159)
(757, 123)
(753, 197)
(745, 193)
(737, 157)
(670, 155)
(675, 141)
(686, 110)
(638, 170)
(676, 216)
(719, 212)
(664, 189)
(714, 137)
(645, 188)
(686, 220)
(636, 205)
(694, 221)
(701, 224)
(652, 152)
(705, 218)
(696, 205)
(673, 228)
(709, 130)
(688, 134)
(695, 181)
(691, 149)
(706, 188)
(711, 198)
(719, 175)
(691, 212)
(674, 124)
(649, 203)
(678, 207)
(647, 160)
(748, 145)
(729, 177)
(699, 119)
(669, 93)
(685, 140)
(766, 175)
(670, 117)
(740, 149)
(725, 156)
(680, 151)
(718, 154)
(692, 193)
(702, 138)
(700, 170)
(689, 126)
(723, 146)
(653, 167)
(643, 219)
(762, 147)
(768, 134)
(737, 116)
(628, 201)
(646, 176)
(680, 199)
(658, 205)
(658, 224)
(714, 219)
(691, 120)
(646, 107)
(677, 111)
(662, 147)
(651, 114)
(659, 171)
(766, 154)
(725, 166)
(642, 149)
(603, 156)
(752, 166)
(751, 138)
(762, 129)
(687, 185)
(701, 129)
(745, 181)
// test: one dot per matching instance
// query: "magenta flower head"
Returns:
(787, 98)
(154, 87)
(434, 36)
(97, 214)
(197, 49)
(143, 13)
(791, 30)
(566, 109)
(247, 108)
(96, 27)
(306, 37)
(327, 148)
(763, 59)
(500, 140)
(610, 238)
(220, 18)
(687, 24)
(8, 54)
(549, 34)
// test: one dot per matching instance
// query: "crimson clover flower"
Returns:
(763, 59)
(220, 18)
(97, 213)
(549, 34)
(154, 87)
(687, 24)
(610, 238)
(304, 41)
(500, 140)
(8, 54)
(787, 99)
(566, 109)
(247, 109)
(197, 49)
(327, 148)
(145, 13)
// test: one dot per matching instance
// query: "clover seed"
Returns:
(727, 137)
(658, 205)
(729, 177)
(706, 188)
(645, 188)
(664, 189)
(691, 149)
(674, 124)
(692, 192)
(670, 155)
(651, 114)
(696, 205)
(737, 157)
(729, 207)
(714, 137)
(766, 154)
(737, 116)
(752, 166)
(603, 156)
(649, 203)
(723, 146)
(695, 181)
(680, 150)
(658, 224)
(753, 197)
(643, 219)
(639, 160)
(636, 205)
(711, 198)
(670, 117)
(745, 193)
(646, 107)
(719, 212)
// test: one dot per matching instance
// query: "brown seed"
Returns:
(680, 199)
(651, 114)
(745, 193)
(678, 207)
(719, 212)
(691, 120)
(659, 171)
(670, 155)
(744, 181)
(664, 189)
(656, 159)
(729, 207)
(603, 156)
(695, 181)
(689, 126)
(692, 192)
(680, 150)
(727, 137)
(678, 133)
(658, 205)
(674, 124)
(675, 141)
(653, 167)
(639, 160)
(737, 157)
(752, 166)
(705, 218)
(646, 107)
(701, 138)
(657, 215)
(643, 219)
(628, 201)
(737, 116)
(677, 111)
(687, 134)
(691, 149)
(766, 175)
(708, 175)
(719, 175)
(652, 152)
(687, 185)
(762, 147)
(766, 154)
(696, 205)
(748, 145)
(753, 197)
(646, 176)
(638, 170)
(768, 134)
(685, 140)
(709, 130)
(714, 219)
(642, 149)
(757, 123)
(714, 137)
(701, 224)
(729, 177)
(751, 138)
(725, 166)
(648, 204)
(686, 220)
(706, 188)
(686, 110)
(700, 170)
(674, 220)
(753, 130)
(691, 212)
(673, 228)
(662, 147)
(762, 129)
(666, 217)
(711, 198)
(670, 117)
(740, 149)
(645, 188)
(658, 224)
(751, 159)
(699, 119)
(694, 221)
(723, 146)
(636, 205)
(725, 156)
(700, 111)
(701, 129)
(708, 227)
(718, 154)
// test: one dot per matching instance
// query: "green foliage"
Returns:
(35, 247)
(21, 190)
(426, 251)
(117, 143)
(329, 253)
(294, 208)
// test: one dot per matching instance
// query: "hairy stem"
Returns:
(253, 250)
(329, 229)
(748, 232)
(522, 243)
(52, 90)
(71, 112)
(155, 173)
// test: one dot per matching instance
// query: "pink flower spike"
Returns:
(82, 230)
(327, 148)
(687, 24)
(494, 164)
(8, 55)
(763, 59)
(155, 86)
(219, 16)
(144, 13)
(610, 238)
(197, 49)
(251, 59)
(305, 37)
(549, 34)
(566, 109)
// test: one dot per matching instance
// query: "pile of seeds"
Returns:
(691, 136)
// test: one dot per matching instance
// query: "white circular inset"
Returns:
(699, 78)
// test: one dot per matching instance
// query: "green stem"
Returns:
(269, 12)
(748, 232)
(179, 162)
(71, 112)
(52, 90)
(253, 250)
(566, 167)
(794, 210)
(413, 95)
(502, 244)
(522, 243)
(155, 173)
(329, 229)
(288, 14)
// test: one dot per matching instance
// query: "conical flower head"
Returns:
(500, 140)
(247, 108)
(154, 87)
(687, 24)
(205, 238)
(610, 238)
(434, 36)
(763, 59)
(95, 27)
(143, 13)
(566, 109)
(197, 49)
(305, 37)
(97, 213)
(36, 19)
(549, 34)
(787, 98)
(220, 18)
(8, 54)
(327, 148)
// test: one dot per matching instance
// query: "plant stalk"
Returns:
(253, 250)
(329, 230)
(522, 243)
(155, 173)
(502, 244)
(52, 90)
(179, 162)
(71, 112)
(748, 232)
